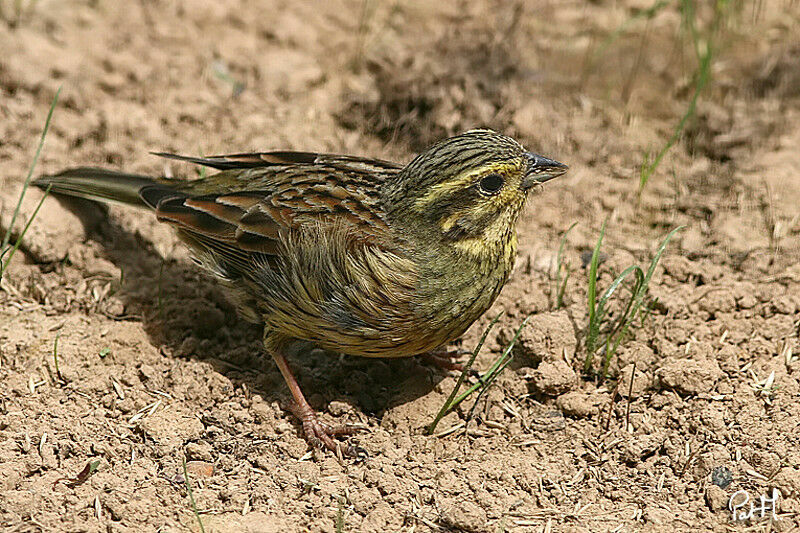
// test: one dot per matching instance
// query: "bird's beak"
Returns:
(541, 169)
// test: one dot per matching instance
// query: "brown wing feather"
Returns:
(253, 222)
(258, 199)
(267, 159)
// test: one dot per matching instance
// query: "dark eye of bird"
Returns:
(491, 183)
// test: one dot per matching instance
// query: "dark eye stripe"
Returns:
(491, 183)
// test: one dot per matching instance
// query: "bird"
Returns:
(359, 256)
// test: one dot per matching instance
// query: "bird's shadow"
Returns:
(186, 314)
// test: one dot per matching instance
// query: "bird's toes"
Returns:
(321, 435)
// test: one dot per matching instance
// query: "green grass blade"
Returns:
(191, 497)
(659, 253)
(616, 283)
(497, 367)
(561, 290)
(594, 323)
(600, 312)
(446, 408)
(705, 75)
(559, 286)
(634, 305)
(637, 284)
(55, 360)
(597, 310)
(489, 381)
(22, 234)
(28, 178)
(702, 78)
(339, 524)
(638, 297)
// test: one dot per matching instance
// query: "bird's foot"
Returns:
(445, 359)
(317, 434)
(322, 435)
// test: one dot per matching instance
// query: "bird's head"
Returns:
(468, 190)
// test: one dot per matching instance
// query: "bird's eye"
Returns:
(491, 183)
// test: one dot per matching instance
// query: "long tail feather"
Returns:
(106, 185)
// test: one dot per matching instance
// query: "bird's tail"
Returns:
(107, 185)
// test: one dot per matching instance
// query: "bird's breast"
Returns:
(371, 302)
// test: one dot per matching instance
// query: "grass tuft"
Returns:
(484, 381)
(704, 49)
(450, 404)
(598, 313)
(703, 44)
(5, 247)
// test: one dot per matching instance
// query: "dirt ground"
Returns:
(154, 367)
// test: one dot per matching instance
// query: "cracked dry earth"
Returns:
(154, 367)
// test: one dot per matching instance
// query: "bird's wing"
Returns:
(278, 159)
(261, 207)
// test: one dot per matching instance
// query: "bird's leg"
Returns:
(317, 433)
(445, 359)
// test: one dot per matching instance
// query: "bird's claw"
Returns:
(321, 435)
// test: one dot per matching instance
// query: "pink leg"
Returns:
(317, 433)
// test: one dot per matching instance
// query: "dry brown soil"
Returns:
(155, 366)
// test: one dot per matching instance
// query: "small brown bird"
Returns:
(360, 256)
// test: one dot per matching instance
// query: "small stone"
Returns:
(546, 337)
(199, 451)
(716, 498)
(554, 378)
(464, 515)
(581, 404)
(688, 376)
(721, 476)
(199, 469)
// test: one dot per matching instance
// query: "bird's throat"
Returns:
(488, 252)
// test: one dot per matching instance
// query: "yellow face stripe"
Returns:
(464, 181)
